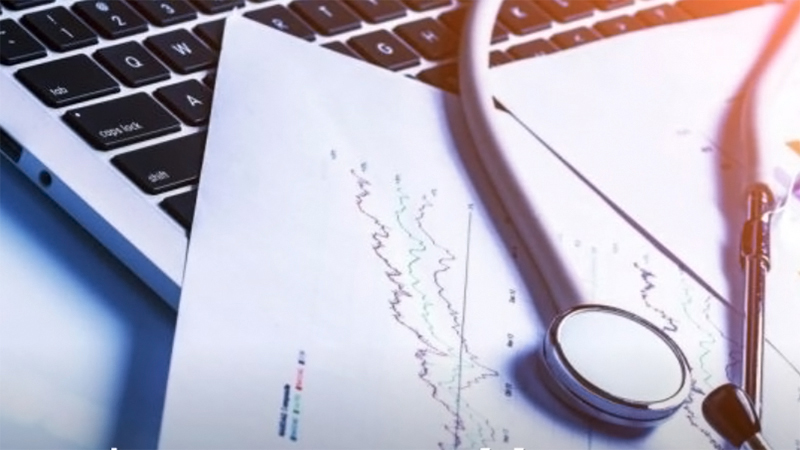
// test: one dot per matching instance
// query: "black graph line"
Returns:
(392, 273)
(647, 277)
(692, 417)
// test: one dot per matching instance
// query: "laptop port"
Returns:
(45, 179)
(9, 146)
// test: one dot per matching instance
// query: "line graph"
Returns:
(689, 322)
(422, 237)
(416, 265)
(635, 276)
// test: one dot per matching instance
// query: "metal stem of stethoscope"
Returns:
(733, 412)
(755, 263)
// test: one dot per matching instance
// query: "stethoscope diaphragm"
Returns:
(615, 366)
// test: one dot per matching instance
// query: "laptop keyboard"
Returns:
(134, 78)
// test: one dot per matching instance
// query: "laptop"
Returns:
(105, 103)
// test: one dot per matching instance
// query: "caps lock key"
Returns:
(122, 121)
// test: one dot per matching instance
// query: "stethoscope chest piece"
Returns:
(615, 366)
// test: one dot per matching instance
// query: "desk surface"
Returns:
(84, 345)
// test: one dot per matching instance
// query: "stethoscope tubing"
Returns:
(538, 236)
(481, 116)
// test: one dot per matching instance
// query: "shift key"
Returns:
(122, 121)
(164, 166)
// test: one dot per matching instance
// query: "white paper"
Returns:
(642, 115)
(347, 288)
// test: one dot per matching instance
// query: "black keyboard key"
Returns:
(444, 77)
(430, 38)
(211, 32)
(383, 49)
(132, 64)
(341, 48)
(210, 79)
(122, 121)
(706, 8)
(498, 57)
(182, 51)
(24, 4)
(111, 18)
(607, 5)
(661, 15)
(523, 17)
(573, 38)
(189, 100)
(165, 12)
(376, 11)
(539, 47)
(17, 45)
(67, 81)
(455, 21)
(165, 166)
(217, 6)
(59, 29)
(282, 19)
(424, 5)
(618, 25)
(181, 207)
(326, 16)
(567, 10)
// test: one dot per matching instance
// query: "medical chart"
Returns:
(353, 281)
(660, 143)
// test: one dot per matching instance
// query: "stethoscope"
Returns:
(605, 362)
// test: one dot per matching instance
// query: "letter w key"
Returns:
(182, 51)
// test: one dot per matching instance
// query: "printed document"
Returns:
(649, 119)
(353, 282)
